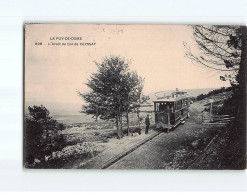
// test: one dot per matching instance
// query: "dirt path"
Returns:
(161, 150)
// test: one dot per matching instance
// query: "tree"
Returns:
(41, 115)
(139, 99)
(222, 48)
(135, 97)
(41, 133)
(113, 91)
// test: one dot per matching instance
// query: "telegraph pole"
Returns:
(211, 108)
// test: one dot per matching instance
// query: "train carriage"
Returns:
(171, 110)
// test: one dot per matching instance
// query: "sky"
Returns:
(54, 73)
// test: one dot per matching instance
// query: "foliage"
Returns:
(214, 92)
(223, 48)
(41, 133)
(220, 49)
(61, 126)
(114, 90)
(230, 106)
(192, 99)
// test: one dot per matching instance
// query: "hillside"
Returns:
(227, 150)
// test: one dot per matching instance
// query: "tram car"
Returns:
(171, 110)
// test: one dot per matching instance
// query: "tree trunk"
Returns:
(138, 117)
(242, 78)
(242, 91)
(242, 68)
(119, 127)
(128, 126)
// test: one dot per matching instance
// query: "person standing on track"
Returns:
(147, 121)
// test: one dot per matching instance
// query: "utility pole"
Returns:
(211, 109)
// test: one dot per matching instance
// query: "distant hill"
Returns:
(56, 108)
(68, 113)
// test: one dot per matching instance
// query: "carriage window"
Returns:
(179, 104)
(162, 107)
(171, 107)
(156, 106)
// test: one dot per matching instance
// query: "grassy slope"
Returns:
(227, 150)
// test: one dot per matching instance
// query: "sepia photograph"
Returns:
(134, 96)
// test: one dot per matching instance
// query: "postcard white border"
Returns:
(13, 15)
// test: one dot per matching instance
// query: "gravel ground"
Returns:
(110, 150)
(160, 152)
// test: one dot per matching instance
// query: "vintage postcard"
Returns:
(100, 96)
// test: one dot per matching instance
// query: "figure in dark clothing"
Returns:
(147, 121)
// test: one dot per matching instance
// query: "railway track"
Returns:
(125, 153)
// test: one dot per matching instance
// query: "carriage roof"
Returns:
(173, 99)
(170, 99)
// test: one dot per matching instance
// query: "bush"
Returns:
(41, 135)
(61, 126)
